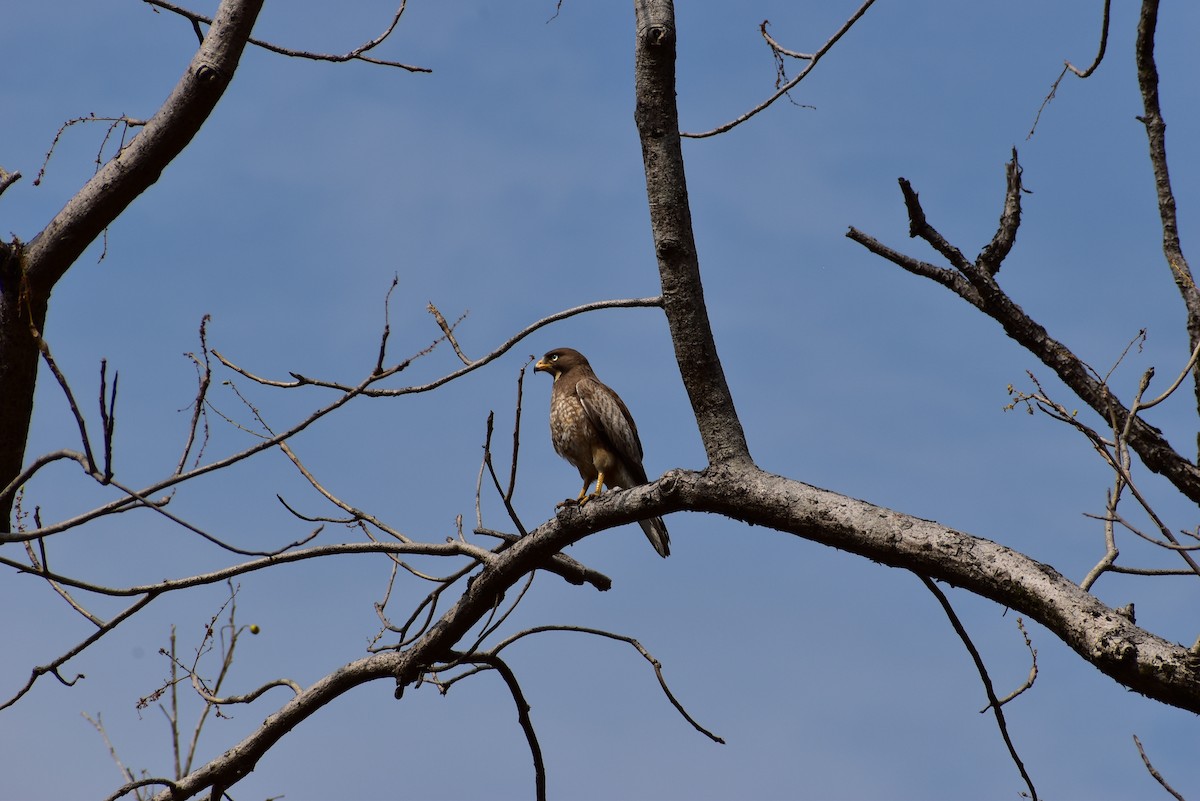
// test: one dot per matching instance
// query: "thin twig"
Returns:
(32, 470)
(108, 417)
(506, 499)
(1103, 46)
(1033, 669)
(357, 54)
(204, 379)
(357, 514)
(53, 667)
(448, 330)
(98, 723)
(42, 564)
(812, 59)
(44, 347)
(514, 687)
(993, 701)
(662, 682)
(302, 381)
(1157, 776)
(512, 473)
(1067, 65)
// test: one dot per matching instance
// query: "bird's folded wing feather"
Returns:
(607, 412)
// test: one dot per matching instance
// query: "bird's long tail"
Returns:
(656, 532)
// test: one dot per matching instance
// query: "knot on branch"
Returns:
(1119, 649)
(10, 259)
(408, 673)
(667, 249)
(657, 35)
(207, 74)
(668, 485)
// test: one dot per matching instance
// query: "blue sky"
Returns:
(508, 184)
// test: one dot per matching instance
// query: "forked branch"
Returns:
(357, 54)
(976, 283)
(811, 59)
(993, 702)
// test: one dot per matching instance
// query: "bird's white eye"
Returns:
(554, 357)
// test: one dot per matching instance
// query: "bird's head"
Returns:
(560, 360)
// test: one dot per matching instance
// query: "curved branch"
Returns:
(514, 688)
(662, 682)
(1067, 65)
(53, 667)
(1130, 655)
(1100, 51)
(245, 698)
(9, 492)
(496, 353)
(28, 272)
(1033, 670)
(452, 548)
(354, 55)
(811, 58)
(138, 165)
(993, 701)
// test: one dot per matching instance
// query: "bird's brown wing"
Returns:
(612, 421)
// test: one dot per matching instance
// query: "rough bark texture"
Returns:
(19, 310)
(1130, 655)
(1156, 133)
(674, 244)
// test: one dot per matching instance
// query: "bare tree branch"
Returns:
(29, 271)
(812, 60)
(1156, 133)
(505, 347)
(7, 178)
(1067, 65)
(357, 54)
(987, 296)
(1157, 776)
(526, 723)
(1033, 670)
(993, 702)
(662, 682)
(657, 119)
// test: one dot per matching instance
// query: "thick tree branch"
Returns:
(1130, 655)
(657, 121)
(28, 272)
(139, 164)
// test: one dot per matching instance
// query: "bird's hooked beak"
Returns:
(543, 366)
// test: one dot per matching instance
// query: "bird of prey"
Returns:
(593, 430)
